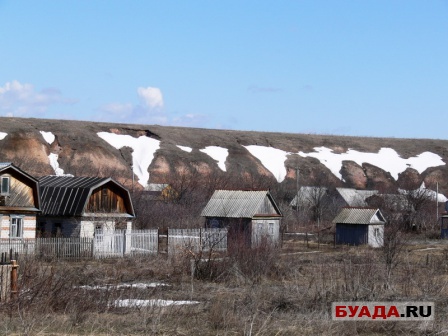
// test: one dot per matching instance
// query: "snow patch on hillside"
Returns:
(387, 159)
(272, 159)
(217, 153)
(143, 147)
(48, 136)
(185, 149)
(55, 165)
(3, 135)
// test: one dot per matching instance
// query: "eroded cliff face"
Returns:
(156, 154)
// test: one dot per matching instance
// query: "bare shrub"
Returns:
(252, 263)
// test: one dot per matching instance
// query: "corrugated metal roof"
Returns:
(68, 196)
(237, 204)
(308, 195)
(359, 216)
(354, 197)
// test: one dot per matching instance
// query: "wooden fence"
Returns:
(118, 244)
(8, 276)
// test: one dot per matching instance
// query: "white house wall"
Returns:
(87, 228)
(269, 228)
(78, 227)
(376, 241)
(29, 226)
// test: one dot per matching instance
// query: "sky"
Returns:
(363, 68)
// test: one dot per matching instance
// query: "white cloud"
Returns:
(17, 99)
(152, 96)
(149, 111)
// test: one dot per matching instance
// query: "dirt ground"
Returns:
(265, 291)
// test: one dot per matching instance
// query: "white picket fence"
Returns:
(118, 244)
(197, 240)
(122, 243)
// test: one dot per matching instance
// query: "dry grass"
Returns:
(290, 297)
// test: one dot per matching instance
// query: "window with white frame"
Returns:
(16, 227)
(4, 185)
(376, 232)
(271, 228)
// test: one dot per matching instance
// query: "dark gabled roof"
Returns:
(9, 165)
(238, 204)
(10, 168)
(359, 216)
(68, 196)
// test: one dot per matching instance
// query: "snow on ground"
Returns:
(48, 136)
(217, 153)
(126, 286)
(272, 159)
(135, 303)
(143, 147)
(387, 159)
(185, 149)
(3, 135)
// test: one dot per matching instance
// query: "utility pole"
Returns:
(132, 172)
(437, 202)
(297, 188)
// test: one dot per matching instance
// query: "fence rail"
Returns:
(117, 244)
(64, 248)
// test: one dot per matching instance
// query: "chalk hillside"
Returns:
(156, 154)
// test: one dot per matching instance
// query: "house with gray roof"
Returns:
(80, 206)
(360, 226)
(354, 197)
(308, 196)
(250, 216)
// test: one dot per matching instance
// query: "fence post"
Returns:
(124, 243)
(93, 245)
(14, 285)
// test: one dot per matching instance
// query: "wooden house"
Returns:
(308, 197)
(350, 197)
(250, 216)
(81, 206)
(19, 203)
(159, 192)
(359, 226)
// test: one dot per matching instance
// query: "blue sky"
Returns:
(364, 68)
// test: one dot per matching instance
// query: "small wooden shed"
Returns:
(443, 218)
(359, 226)
(250, 216)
